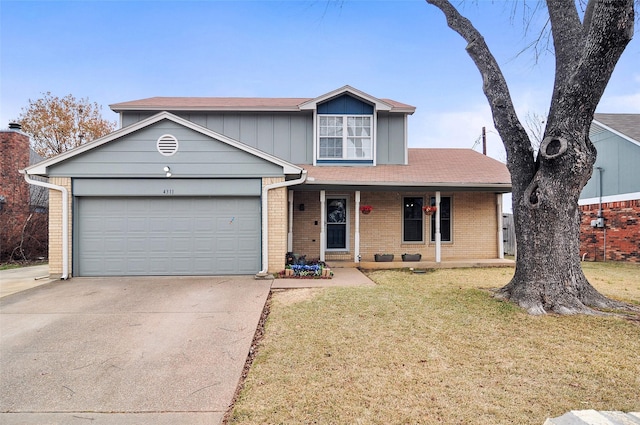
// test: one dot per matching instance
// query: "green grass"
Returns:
(437, 348)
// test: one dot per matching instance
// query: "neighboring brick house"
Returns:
(203, 186)
(23, 208)
(610, 202)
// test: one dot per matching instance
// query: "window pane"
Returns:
(330, 147)
(359, 148)
(413, 220)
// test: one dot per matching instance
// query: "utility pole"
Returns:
(484, 141)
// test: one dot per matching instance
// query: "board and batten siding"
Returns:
(619, 159)
(391, 138)
(136, 155)
(288, 136)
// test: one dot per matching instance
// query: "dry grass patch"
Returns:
(437, 349)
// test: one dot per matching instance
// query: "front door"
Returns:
(336, 224)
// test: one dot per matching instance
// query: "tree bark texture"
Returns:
(548, 275)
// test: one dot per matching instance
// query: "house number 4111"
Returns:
(168, 191)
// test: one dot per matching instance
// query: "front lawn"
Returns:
(438, 349)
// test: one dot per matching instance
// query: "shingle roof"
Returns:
(224, 103)
(427, 167)
(627, 124)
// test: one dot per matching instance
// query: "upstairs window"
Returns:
(345, 137)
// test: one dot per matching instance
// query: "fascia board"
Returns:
(497, 186)
(610, 198)
(380, 105)
(616, 132)
(206, 109)
(41, 167)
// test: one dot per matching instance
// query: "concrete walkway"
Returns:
(16, 280)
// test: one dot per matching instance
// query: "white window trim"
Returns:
(345, 136)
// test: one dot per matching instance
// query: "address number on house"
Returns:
(167, 191)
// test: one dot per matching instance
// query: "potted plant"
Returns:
(428, 210)
(383, 257)
(366, 209)
(411, 257)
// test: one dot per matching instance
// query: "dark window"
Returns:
(445, 219)
(413, 220)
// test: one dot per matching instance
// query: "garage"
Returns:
(165, 196)
(143, 236)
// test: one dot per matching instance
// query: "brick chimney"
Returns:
(14, 190)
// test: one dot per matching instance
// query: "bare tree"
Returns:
(58, 124)
(546, 187)
(535, 124)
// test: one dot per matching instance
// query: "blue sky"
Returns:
(115, 51)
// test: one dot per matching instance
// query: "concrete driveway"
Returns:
(152, 350)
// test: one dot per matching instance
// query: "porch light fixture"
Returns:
(167, 170)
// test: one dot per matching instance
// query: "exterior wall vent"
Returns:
(167, 145)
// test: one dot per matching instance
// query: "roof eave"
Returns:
(497, 186)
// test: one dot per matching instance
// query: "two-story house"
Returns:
(206, 186)
(610, 202)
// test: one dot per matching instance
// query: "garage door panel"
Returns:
(168, 236)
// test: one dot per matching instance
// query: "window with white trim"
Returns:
(445, 219)
(345, 137)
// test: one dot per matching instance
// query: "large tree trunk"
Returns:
(548, 274)
(546, 188)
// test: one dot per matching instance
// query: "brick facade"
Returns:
(622, 223)
(20, 227)
(55, 226)
(474, 226)
(278, 220)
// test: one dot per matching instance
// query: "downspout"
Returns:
(600, 217)
(265, 217)
(65, 219)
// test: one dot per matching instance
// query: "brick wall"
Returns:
(278, 219)
(622, 220)
(474, 229)
(55, 226)
(14, 156)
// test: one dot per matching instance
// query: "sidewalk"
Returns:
(16, 280)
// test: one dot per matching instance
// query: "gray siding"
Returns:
(288, 136)
(620, 161)
(135, 155)
(391, 136)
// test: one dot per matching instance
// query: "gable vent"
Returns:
(167, 145)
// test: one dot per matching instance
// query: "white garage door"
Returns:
(167, 236)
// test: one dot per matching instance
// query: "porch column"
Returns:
(500, 225)
(323, 222)
(438, 254)
(290, 232)
(356, 248)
